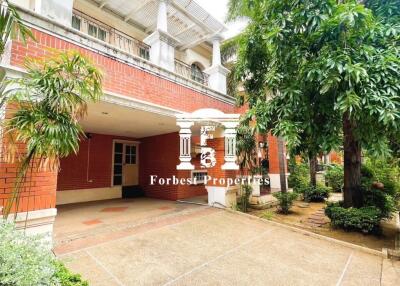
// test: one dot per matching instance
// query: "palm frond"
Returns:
(48, 102)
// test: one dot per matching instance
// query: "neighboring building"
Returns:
(160, 59)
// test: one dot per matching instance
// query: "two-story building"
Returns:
(160, 60)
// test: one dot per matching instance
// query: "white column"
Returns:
(185, 135)
(216, 59)
(162, 45)
(162, 19)
(230, 146)
(59, 11)
(217, 72)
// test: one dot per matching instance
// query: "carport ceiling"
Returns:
(187, 21)
(112, 119)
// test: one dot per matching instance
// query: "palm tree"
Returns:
(11, 23)
(49, 103)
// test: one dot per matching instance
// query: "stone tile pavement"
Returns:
(153, 242)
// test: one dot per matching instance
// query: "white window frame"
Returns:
(197, 171)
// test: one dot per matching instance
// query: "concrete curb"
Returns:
(312, 234)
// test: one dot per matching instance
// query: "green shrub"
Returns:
(66, 278)
(24, 261)
(386, 199)
(334, 177)
(366, 219)
(285, 200)
(384, 172)
(316, 194)
(299, 176)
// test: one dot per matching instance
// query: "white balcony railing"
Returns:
(192, 72)
(103, 32)
(106, 33)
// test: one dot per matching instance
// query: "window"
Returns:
(92, 30)
(102, 34)
(130, 154)
(198, 177)
(97, 32)
(144, 53)
(76, 22)
(196, 73)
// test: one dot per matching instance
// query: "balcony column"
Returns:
(230, 145)
(162, 44)
(59, 11)
(162, 17)
(217, 72)
(185, 137)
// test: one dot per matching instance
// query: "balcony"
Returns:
(105, 33)
(97, 29)
(192, 72)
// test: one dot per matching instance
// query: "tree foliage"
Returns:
(307, 66)
(11, 24)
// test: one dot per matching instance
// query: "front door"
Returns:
(130, 167)
(125, 168)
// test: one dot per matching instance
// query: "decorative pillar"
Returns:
(217, 72)
(216, 59)
(230, 146)
(162, 18)
(185, 135)
(59, 11)
(162, 44)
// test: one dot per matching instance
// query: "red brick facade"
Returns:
(120, 77)
(158, 154)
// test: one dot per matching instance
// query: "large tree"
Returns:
(331, 69)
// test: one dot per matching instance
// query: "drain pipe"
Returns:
(89, 136)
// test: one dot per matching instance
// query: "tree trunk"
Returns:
(313, 170)
(353, 196)
(282, 164)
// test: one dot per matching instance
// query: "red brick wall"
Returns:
(216, 172)
(159, 155)
(336, 158)
(73, 174)
(120, 77)
(38, 190)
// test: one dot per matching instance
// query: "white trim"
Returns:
(88, 195)
(123, 100)
(222, 197)
(198, 171)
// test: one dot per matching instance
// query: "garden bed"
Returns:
(303, 216)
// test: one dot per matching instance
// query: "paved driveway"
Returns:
(149, 242)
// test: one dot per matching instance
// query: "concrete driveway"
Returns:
(150, 242)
